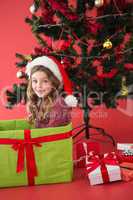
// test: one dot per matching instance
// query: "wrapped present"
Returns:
(126, 171)
(81, 152)
(123, 158)
(126, 165)
(127, 174)
(125, 152)
(30, 156)
(102, 168)
(126, 148)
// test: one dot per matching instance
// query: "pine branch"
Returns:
(89, 18)
(91, 57)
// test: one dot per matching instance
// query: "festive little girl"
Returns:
(46, 107)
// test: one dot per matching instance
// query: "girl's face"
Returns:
(41, 85)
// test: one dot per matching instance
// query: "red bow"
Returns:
(96, 161)
(26, 147)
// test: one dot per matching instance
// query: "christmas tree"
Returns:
(91, 38)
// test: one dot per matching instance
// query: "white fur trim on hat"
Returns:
(47, 63)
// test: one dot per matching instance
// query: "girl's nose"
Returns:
(39, 84)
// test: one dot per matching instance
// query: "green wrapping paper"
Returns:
(53, 159)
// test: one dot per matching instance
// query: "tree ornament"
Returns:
(107, 44)
(32, 9)
(99, 3)
(124, 88)
(20, 74)
(62, 62)
(28, 57)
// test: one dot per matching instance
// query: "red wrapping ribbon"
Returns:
(25, 147)
(96, 161)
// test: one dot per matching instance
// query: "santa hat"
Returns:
(57, 68)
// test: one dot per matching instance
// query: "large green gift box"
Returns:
(30, 156)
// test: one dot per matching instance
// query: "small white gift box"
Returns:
(102, 169)
(125, 148)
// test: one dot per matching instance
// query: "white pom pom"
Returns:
(71, 101)
(19, 74)
(32, 9)
(99, 3)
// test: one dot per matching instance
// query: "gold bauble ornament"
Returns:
(107, 44)
(99, 3)
(124, 88)
(28, 57)
(124, 91)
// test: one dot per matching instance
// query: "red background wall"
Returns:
(15, 36)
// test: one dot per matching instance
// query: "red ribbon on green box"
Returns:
(24, 147)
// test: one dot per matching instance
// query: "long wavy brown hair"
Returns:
(40, 111)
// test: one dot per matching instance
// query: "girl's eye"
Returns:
(45, 81)
(34, 81)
